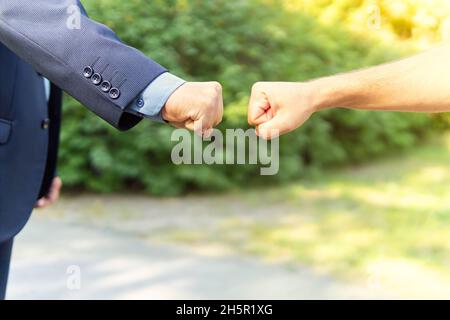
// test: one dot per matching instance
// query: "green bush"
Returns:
(236, 43)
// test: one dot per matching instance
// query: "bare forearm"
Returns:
(417, 84)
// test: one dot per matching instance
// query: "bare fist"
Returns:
(276, 108)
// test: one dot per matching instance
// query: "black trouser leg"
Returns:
(5, 258)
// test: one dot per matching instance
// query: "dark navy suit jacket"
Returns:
(28, 126)
(89, 63)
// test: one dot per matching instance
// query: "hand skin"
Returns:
(417, 84)
(197, 106)
(276, 108)
(52, 196)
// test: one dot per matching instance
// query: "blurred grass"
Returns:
(390, 217)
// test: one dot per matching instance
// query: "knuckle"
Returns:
(257, 86)
(213, 90)
(216, 86)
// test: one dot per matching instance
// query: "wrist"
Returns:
(332, 92)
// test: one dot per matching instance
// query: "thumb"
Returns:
(273, 128)
(200, 127)
(258, 108)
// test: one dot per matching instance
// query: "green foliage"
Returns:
(236, 43)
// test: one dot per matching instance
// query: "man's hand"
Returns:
(197, 106)
(416, 84)
(53, 194)
(277, 108)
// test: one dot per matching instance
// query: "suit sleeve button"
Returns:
(140, 103)
(106, 86)
(96, 79)
(88, 71)
(114, 93)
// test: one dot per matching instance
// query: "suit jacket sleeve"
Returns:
(73, 57)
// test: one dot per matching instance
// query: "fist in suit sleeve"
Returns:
(197, 106)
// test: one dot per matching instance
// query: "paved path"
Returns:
(116, 266)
